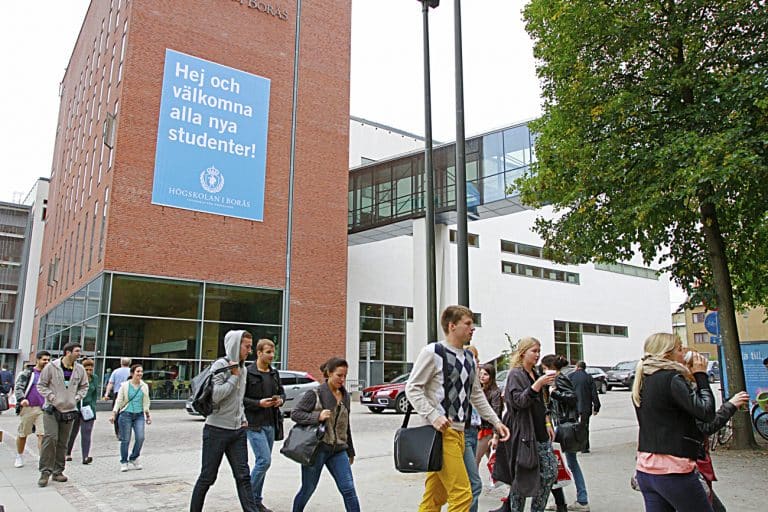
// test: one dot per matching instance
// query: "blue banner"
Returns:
(755, 373)
(212, 138)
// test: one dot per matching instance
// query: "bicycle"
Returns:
(759, 420)
(722, 436)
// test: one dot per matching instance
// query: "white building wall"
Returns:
(39, 204)
(520, 306)
(374, 141)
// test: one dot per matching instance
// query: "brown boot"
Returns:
(43, 479)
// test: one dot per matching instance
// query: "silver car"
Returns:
(294, 384)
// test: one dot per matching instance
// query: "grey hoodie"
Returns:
(228, 389)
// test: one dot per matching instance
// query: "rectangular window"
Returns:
(620, 331)
(628, 270)
(508, 267)
(382, 330)
(472, 239)
(701, 337)
(698, 318)
(477, 318)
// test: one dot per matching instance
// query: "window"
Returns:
(569, 341)
(628, 270)
(472, 239)
(508, 267)
(701, 337)
(477, 318)
(619, 331)
(698, 318)
(522, 249)
(384, 326)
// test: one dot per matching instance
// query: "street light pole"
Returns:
(429, 184)
(462, 252)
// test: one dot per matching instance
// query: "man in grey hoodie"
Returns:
(225, 428)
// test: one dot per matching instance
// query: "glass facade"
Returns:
(172, 327)
(383, 328)
(386, 192)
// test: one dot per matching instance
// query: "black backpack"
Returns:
(202, 390)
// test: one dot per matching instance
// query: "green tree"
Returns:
(653, 139)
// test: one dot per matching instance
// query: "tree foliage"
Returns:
(652, 110)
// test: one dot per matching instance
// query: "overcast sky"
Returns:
(501, 88)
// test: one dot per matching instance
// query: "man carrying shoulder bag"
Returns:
(62, 383)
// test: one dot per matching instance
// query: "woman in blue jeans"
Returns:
(132, 405)
(328, 404)
(563, 408)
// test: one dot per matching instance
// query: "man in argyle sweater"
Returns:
(443, 387)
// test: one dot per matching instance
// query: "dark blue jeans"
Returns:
(131, 422)
(218, 442)
(673, 492)
(338, 464)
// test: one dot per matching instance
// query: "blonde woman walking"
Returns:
(668, 399)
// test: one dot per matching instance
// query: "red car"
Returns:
(390, 395)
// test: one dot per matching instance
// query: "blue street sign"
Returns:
(715, 340)
(712, 323)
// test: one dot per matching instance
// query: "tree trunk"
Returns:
(743, 437)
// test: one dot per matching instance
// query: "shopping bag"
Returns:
(564, 476)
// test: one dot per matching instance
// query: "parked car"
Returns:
(621, 375)
(295, 384)
(598, 375)
(390, 395)
(713, 371)
(501, 379)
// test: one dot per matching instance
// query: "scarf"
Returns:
(652, 364)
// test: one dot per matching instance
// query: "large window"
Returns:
(569, 336)
(170, 326)
(144, 296)
(383, 329)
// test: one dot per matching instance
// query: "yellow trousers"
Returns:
(450, 484)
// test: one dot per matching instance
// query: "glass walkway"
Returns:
(386, 195)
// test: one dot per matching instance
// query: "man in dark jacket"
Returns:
(586, 395)
(264, 395)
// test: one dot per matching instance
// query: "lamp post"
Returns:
(462, 253)
(429, 184)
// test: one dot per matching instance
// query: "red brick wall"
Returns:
(147, 239)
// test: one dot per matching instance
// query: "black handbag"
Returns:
(303, 440)
(4, 405)
(572, 436)
(418, 449)
(302, 443)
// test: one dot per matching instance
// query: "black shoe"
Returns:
(585, 451)
(261, 508)
(87, 460)
(562, 508)
(69, 458)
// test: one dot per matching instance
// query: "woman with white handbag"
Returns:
(84, 422)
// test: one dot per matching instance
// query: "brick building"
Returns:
(127, 276)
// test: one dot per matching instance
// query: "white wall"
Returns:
(375, 141)
(392, 272)
(33, 271)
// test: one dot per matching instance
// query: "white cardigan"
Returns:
(122, 397)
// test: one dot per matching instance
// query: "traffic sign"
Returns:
(712, 323)
(715, 340)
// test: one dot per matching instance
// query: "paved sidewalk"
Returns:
(171, 459)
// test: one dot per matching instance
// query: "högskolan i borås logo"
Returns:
(212, 180)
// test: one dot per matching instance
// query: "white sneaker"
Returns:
(123, 467)
(19, 462)
(578, 506)
(135, 464)
(551, 506)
